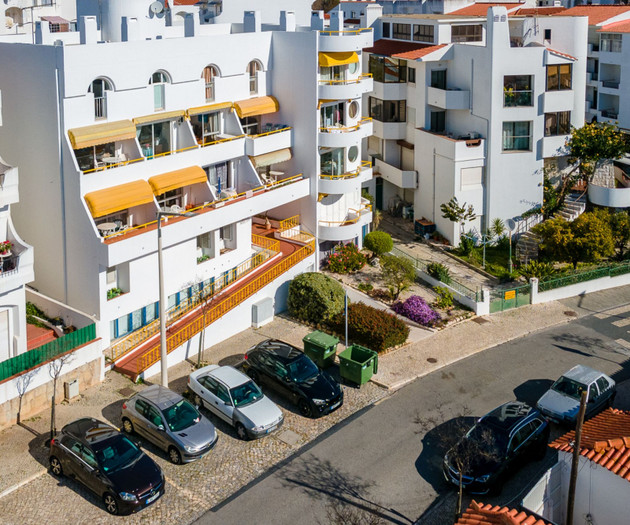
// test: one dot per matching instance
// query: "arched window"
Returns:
(99, 88)
(208, 75)
(252, 69)
(159, 79)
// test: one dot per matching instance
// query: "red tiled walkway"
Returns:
(37, 336)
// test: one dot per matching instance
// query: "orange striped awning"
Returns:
(101, 134)
(252, 107)
(118, 198)
(177, 179)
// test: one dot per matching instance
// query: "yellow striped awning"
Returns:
(256, 106)
(177, 179)
(337, 59)
(275, 157)
(101, 134)
(157, 117)
(118, 198)
(206, 109)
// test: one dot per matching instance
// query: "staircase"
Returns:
(574, 205)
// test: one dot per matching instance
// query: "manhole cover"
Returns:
(431, 359)
(126, 391)
(570, 313)
(480, 320)
(289, 437)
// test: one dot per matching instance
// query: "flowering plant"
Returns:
(417, 309)
(5, 246)
(346, 259)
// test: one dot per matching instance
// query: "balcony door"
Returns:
(332, 115)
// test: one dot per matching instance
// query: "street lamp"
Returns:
(163, 365)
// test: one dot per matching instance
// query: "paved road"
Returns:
(383, 460)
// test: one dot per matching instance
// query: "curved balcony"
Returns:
(346, 40)
(350, 228)
(345, 89)
(610, 197)
(342, 136)
(346, 182)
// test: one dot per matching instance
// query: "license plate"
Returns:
(271, 429)
(336, 405)
(153, 498)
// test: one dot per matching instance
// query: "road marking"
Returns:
(22, 483)
(623, 343)
(614, 311)
(622, 322)
(602, 316)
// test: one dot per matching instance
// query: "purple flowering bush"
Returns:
(418, 310)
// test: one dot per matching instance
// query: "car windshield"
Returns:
(245, 394)
(180, 416)
(302, 369)
(116, 453)
(487, 439)
(568, 387)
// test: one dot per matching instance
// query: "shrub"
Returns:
(378, 242)
(466, 245)
(398, 274)
(418, 310)
(315, 297)
(365, 287)
(444, 298)
(113, 292)
(346, 259)
(440, 272)
(372, 328)
(540, 270)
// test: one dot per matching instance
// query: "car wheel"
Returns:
(127, 426)
(55, 466)
(255, 376)
(241, 432)
(305, 408)
(198, 401)
(111, 505)
(174, 456)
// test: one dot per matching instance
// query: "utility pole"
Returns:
(576, 458)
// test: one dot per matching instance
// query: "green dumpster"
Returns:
(357, 364)
(321, 348)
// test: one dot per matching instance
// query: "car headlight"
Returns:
(127, 497)
(319, 402)
(259, 428)
(190, 449)
(483, 479)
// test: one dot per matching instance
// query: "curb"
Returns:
(22, 483)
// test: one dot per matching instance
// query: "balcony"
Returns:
(593, 50)
(400, 178)
(345, 89)
(390, 130)
(459, 148)
(390, 90)
(592, 78)
(267, 142)
(610, 114)
(348, 228)
(345, 182)
(611, 84)
(615, 195)
(345, 40)
(554, 146)
(345, 136)
(554, 101)
(448, 98)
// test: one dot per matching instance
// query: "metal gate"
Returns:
(507, 298)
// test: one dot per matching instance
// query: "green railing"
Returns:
(37, 356)
(474, 295)
(580, 277)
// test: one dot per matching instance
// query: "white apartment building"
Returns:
(253, 129)
(473, 108)
(19, 16)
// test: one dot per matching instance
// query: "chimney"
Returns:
(317, 20)
(190, 25)
(251, 22)
(372, 14)
(130, 30)
(287, 21)
(42, 32)
(87, 30)
(336, 19)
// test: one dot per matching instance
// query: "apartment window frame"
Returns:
(518, 91)
(610, 42)
(219, 175)
(387, 29)
(438, 121)
(207, 126)
(91, 158)
(557, 123)
(424, 33)
(401, 31)
(170, 198)
(152, 148)
(206, 246)
(466, 33)
(515, 140)
(558, 79)
(253, 68)
(159, 80)
(209, 74)
(438, 78)
(383, 68)
(388, 111)
(411, 75)
(99, 88)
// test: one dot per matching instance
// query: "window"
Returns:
(402, 31)
(155, 138)
(227, 238)
(517, 91)
(252, 70)
(54, 28)
(411, 75)
(386, 30)
(547, 34)
(557, 123)
(388, 110)
(353, 153)
(331, 162)
(423, 33)
(438, 121)
(336, 73)
(251, 125)
(99, 88)
(438, 78)
(331, 115)
(611, 43)
(602, 384)
(206, 127)
(170, 198)
(353, 109)
(385, 69)
(208, 75)
(218, 176)
(559, 77)
(159, 79)
(467, 33)
(517, 136)
(205, 247)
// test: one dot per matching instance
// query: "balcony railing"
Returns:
(346, 81)
(365, 164)
(100, 107)
(346, 31)
(271, 132)
(610, 113)
(517, 98)
(345, 129)
(612, 84)
(9, 265)
(357, 213)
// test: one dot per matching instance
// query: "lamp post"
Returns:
(163, 365)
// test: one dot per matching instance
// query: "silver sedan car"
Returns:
(235, 398)
(170, 422)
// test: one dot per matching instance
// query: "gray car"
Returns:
(561, 403)
(235, 398)
(170, 422)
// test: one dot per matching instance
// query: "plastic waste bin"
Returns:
(358, 364)
(321, 348)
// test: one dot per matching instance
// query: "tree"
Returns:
(497, 229)
(205, 301)
(398, 274)
(378, 242)
(620, 226)
(461, 214)
(54, 369)
(23, 382)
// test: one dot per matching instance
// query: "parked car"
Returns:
(561, 403)
(500, 440)
(108, 463)
(170, 422)
(293, 375)
(235, 398)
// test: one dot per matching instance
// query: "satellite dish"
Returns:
(510, 224)
(156, 7)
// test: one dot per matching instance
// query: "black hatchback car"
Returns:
(293, 375)
(107, 463)
(498, 442)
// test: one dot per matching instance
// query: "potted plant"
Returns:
(5, 248)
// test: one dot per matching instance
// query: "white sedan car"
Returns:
(235, 398)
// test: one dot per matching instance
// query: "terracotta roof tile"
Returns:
(561, 54)
(539, 11)
(596, 13)
(616, 27)
(394, 47)
(480, 514)
(481, 8)
(418, 53)
(605, 441)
